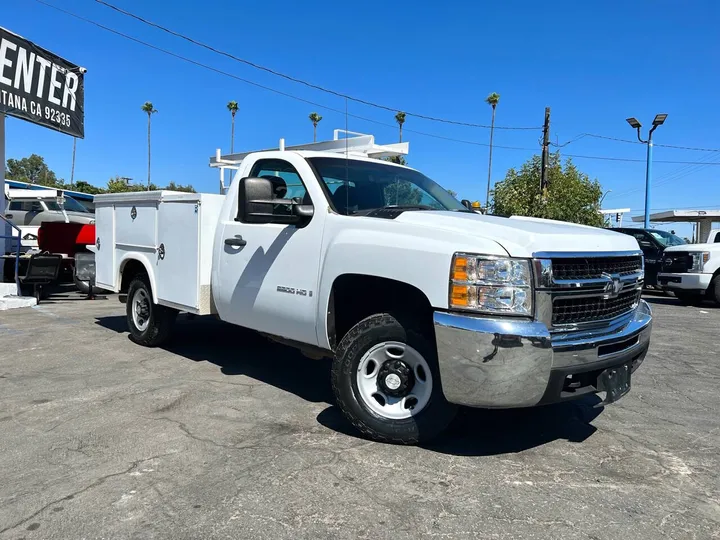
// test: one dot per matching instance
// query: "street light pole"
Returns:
(648, 178)
(634, 123)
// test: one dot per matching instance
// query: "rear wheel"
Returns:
(713, 291)
(688, 298)
(150, 324)
(386, 381)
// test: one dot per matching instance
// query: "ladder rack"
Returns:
(353, 143)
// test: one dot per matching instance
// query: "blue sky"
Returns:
(593, 63)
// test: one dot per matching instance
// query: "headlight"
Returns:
(491, 284)
(699, 258)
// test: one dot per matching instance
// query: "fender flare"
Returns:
(145, 261)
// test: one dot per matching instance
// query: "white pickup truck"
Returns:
(692, 271)
(423, 304)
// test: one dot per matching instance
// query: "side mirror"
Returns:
(644, 244)
(466, 204)
(257, 204)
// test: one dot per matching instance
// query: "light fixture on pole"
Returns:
(635, 124)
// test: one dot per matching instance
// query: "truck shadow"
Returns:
(474, 432)
(237, 351)
(484, 432)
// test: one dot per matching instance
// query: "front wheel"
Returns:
(386, 381)
(688, 298)
(150, 324)
(713, 291)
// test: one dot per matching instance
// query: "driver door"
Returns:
(652, 253)
(265, 275)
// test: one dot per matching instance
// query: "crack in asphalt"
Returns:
(94, 484)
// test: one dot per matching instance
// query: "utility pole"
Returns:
(545, 151)
(72, 170)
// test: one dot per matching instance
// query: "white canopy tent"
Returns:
(703, 218)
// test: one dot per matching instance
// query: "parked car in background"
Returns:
(652, 242)
(32, 207)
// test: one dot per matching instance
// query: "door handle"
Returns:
(9, 216)
(237, 241)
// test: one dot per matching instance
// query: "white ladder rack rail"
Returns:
(359, 144)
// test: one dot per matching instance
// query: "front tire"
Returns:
(713, 291)
(688, 298)
(386, 381)
(150, 324)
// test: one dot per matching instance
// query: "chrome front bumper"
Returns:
(503, 363)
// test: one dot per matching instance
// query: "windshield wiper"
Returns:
(409, 207)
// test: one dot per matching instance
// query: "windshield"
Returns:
(71, 205)
(359, 187)
(667, 239)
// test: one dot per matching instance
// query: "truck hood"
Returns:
(523, 236)
(693, 247)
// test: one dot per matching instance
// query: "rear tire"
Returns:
(386, 382)
(150, 324)
(688, 298)
(713, 291)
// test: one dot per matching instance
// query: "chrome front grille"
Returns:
(583, 309)
(593, 268)
(581, 291)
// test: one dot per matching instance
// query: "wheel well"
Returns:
(355, 296)
(128, 272)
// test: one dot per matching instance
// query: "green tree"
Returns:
(119, 185)
(85, 187)
(32, 169)
(400, 119)
(452, 192)
(570, 196)
(315, 119)
(172, 186)
(400, 160)
(232, 106)
(150, 110)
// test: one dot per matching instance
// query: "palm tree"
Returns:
(315, 119)
(400, 119)
(491, 100)
(233, 108)
(150, 110)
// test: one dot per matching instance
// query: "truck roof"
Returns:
(355, 157)
(353, 145)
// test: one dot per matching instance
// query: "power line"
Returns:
(296, 79)
(326, 107)
(629, 141)
(285, 94)
(641, 160)
(688, 148)
(677, 174)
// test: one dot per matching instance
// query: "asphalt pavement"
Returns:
(223, 434)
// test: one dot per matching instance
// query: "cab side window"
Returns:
(286, 182)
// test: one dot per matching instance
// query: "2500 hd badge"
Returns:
(292, 290)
